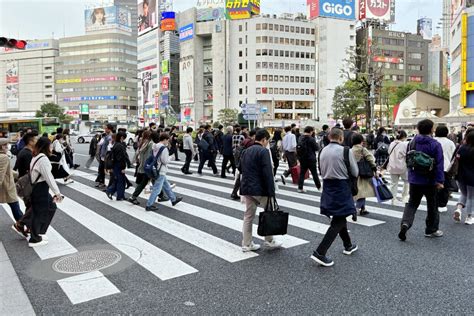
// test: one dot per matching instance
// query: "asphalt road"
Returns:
(187, 259)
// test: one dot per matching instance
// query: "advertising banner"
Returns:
(102, 18)
(147, 97)
(165, 65)
(147, 19)
(186, 81)
(456, 8)
(165, 101)
(186, 32)
(210, 14)
(12, 85)
(91, 98)
(339, 9)
(165, 83)
(168, 25)
(89, 79)
(242, 9)
(425, 28)
(392, 60)
(383, 10)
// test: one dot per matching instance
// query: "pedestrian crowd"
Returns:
(352, 166)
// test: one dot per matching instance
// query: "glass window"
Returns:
(259, 90)
(292, 91)
(287, 91)
(276, 78)
(240, 40)
(270, 27)
(240, 28)
(264, 65)
(265, 39)
(282, 79)
(258, 39)
(282, 28)
(275, 65)
(270, 39)
(292, 66)
(292, 41)
(282, 40)
(292, 29)
(259, 52)
(297, 79)
(270, 65)
(258, 78)
(297, 67)
(264, 26)
(281, 91)
(264, 77)
(292, 79)
(287, 41)
(270, 90)
(287, 78)
(282, 66)
(259, 26)
(287, 53)
(258, 65)
(270, 78)
(287, 66)
(282, 53)
(287, 28)
(297, 42)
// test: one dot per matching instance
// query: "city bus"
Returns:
(42, 124)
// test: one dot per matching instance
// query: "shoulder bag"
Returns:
(385, 164)
(272, 221)
(352, 179)
(365, 169)
(24, 185)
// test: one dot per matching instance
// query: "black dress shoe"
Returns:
(234, 197)
(109, 195)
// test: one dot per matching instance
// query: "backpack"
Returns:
(109, 160)
(301, 148)
(274, 150)
(24, 185)
(382, 148)
(150, 166)
(418, 161)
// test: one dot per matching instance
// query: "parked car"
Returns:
(86, 138)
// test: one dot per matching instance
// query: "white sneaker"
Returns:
(443, 209)
(469, 220)
(251, 247)
(37, 244)
(273, 244)
(457, 215)
(398, 203)
(301, 191)
(173, 185)
(44, 237)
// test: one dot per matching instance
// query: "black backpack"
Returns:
(382, 148)
(302, 148)
(274, 150)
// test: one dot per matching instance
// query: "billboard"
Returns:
(186, 32)
(165, 66)
(147, 18)
(147, 97)
(338, 9)
(103, 18)
(242, 9)
(383, 10)
(165, 84)
(186, 81)
(425, 28)
(12, 91)
(88, 79)
(210, 14)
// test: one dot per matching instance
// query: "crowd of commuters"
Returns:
(343, 156)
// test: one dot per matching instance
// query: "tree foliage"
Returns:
(227, 116)
(52, 110)
(349, 100)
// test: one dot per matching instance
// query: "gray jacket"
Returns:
(332, 163)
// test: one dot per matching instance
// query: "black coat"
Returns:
(119, 154)
(311, 147)
(93, 147)
(257, 172)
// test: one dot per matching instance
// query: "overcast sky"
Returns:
(39, 19)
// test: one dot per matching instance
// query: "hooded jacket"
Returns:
(431, 147)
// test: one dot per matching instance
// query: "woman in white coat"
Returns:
(58, 160)
(397, 167)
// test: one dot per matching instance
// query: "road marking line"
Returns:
(155, 260)
(207, 242)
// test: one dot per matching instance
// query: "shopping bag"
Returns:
(381, 190)
(295, 174)
(272, 221)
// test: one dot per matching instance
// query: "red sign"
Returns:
(362, 9)
(168, 25)
(378, 7)
(12, 79)
(392, 60)
(313, 8)
(415, 79)
(165, 83)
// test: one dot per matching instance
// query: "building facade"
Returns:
(28, 79)
(399, 57)
(96, 76)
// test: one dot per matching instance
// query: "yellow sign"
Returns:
(242, 9)
(74, 80)
(470, 86)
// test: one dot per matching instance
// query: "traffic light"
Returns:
(12, 43)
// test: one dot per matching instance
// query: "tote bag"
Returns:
(272, 221)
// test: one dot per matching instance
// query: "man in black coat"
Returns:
(307, 147)
(257, 187)
(207, 147)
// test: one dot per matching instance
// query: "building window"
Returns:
(48, 86)
(259, 90)
(259, 52)
(264, 26)
(48, 96)
(241, 91)
(259, 26)
(297, 29)
(270, 78)
(297, 42)
(240, 53)
(297, 66)
(240, 28)
(313, 32)
(270, 27)
(292, 29)
(240, 78)
(270, 90)
(287, 28)
(275, 65)
(264, 77)
(240, 40)
(258, 65)
(246, 39)
(240, 66)
(352, 37)
(48, 68)
(415, 55)
(282, 28)
(48, 77)
(276, 78)
(258, 39)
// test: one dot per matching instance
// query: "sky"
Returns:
(40, 19)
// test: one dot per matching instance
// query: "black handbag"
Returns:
(451, 184)
(272, 221)
(365, 170)
(352, 179)
(442, 197)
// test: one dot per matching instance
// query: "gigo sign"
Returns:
(339, 9)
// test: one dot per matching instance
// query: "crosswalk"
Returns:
(207, 221)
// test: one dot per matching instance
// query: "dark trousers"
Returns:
(304, 167)
(189, 157)
(236, 186)
(416, 194)
(43, 211)
(27, 217)
(226, 159)
(101, 172)
(16, 211)
(118, 185)
(291, 160)
(276, 164)
(207, 156)
(176, 152)
(338, 227)
(141, 185)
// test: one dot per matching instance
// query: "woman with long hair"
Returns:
(397, 167)
(98, 17)
(43, 204)
(119, 158)
(275, 149)
(465, 155)
(145, 150)
(58, 159)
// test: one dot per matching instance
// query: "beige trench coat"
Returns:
(7, 181)
(365, 186)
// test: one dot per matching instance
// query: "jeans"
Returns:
(416, 194)
(160, 183)
(226, 159)
(360, 203)
(189, 157)
(205, 156)
(394, 186)
(291, 160)
(338, 227)
(16, 211)
(466, 198)
(304, 167)
(118, 185)
(251, 203)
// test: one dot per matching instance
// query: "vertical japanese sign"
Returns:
(186, 81)
(12, 90)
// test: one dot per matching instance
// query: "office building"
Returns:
(438, 63)
(28, 79)
(462, 59)
(399, 57)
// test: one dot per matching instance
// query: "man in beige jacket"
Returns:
(7, 181)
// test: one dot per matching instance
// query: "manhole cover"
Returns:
(87, 261)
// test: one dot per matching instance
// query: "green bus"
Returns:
(42, 124)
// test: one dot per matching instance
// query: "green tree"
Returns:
(441, 91)
(227, 116)
(51, 110)
(349, 100)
